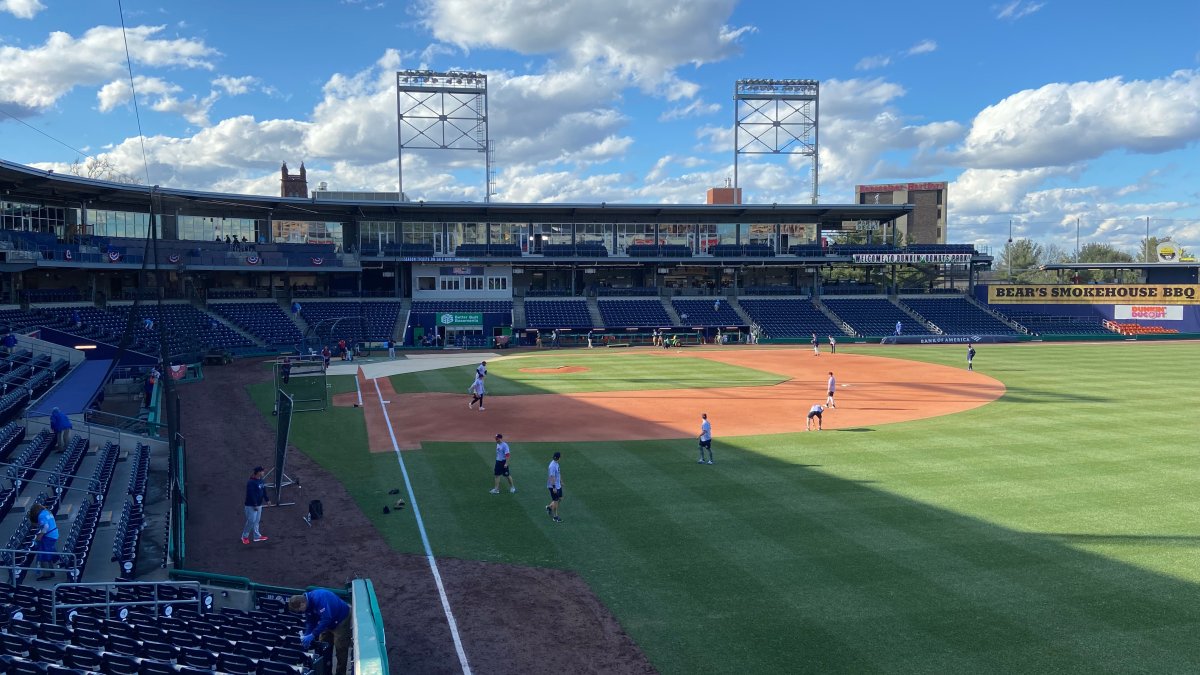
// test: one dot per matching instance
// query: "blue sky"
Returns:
(1039, 112)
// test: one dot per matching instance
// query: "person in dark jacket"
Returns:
(256, 496)
(326, 618)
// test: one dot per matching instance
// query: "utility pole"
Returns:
(1008, 252)
(1076, 240)
(1147, 238)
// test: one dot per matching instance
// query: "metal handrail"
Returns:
(12, 569)
(108, 604)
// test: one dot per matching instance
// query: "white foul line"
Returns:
(357, 388)
(437, 577)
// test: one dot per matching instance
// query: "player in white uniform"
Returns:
(831, 390)
(554, 484)
(477, 391)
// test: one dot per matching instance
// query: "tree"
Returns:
(1105, 253)
(100, 168)
(1021, 262)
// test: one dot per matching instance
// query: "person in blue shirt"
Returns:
(326, 618)
(9, 341)
(45, 542)
(60, 425)
(256, 496)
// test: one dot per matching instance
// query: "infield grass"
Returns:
(605, 371)
(1055, 529)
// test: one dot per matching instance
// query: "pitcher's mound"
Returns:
(556, 371)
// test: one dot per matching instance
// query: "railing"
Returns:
(7, 554)
(370, 642)
(201, 601)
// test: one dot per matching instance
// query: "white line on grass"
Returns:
(357, 388)
(437, 577)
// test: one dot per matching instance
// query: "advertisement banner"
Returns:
(1148, 312)
(946, 339)
(903, 258)
(1094, 294)
(460, 319)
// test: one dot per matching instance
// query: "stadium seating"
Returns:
(51, 295)
(148, 640)
(807, 250)
(741, 250)
(557, 314)
(1043, 324)
(620, 313)
(659, 251)
(360, 321)
(700, 312)
(627, 291)
(957, 316)
(849, 288)
(264, 320)
(869, 317)
(770, 290)
(940, 248)
(1134, 328)
(789, 317)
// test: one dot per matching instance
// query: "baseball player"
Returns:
(554, 484)
(705, 439)
(477, 391)
(481, 370)
(832, 388)
(816, 345)
(970, 357)
(814, 411)
(832, 345)
(501, 469)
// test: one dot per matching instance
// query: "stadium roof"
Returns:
(1121, 266)
(23, 183)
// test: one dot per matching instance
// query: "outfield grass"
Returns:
(1052, 530)
(606, 371)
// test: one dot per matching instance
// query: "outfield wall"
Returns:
(1171, 306)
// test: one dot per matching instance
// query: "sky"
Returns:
(1073, 121)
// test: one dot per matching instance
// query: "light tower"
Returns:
(776, 117)
(443, 111)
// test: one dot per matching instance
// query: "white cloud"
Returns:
(1060, 124)
(872, 62)
(22, 9)
(117, 92)
(65, 62)
(694, 108)
(235, 86)
(922, 47)
(642, 40)
(1017, 9)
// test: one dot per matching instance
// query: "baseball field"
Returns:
(1036, 515)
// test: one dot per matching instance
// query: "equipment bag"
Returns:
(315, 510)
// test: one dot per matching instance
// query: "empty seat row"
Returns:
(11, 435)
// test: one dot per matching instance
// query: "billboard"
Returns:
(1094, 294)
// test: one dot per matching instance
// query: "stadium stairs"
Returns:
(298, 319)
(846, 328)
(670, 309)
(737, 307)
(401, 327)
(999, 317)
(518, 317)
(933, 330)
(594, 312)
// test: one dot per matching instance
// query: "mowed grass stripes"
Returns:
(605, 371)
(1055, 529)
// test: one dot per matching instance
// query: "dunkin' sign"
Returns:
(1148, 312)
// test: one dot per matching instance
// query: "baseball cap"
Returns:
(499, 436)
(257, 469)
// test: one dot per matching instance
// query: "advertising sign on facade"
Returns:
(1094, 294)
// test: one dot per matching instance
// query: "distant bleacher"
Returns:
(957, 316)
(869, 317)
(706, 312)
(619, 313)
(264, 320)
(557, 314)
(789, 317)
(360, 321)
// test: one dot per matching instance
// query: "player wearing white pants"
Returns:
(831, 389)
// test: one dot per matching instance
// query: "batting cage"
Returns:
(303, 379)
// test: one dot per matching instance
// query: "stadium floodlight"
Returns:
(777, 117)
(443, 111)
